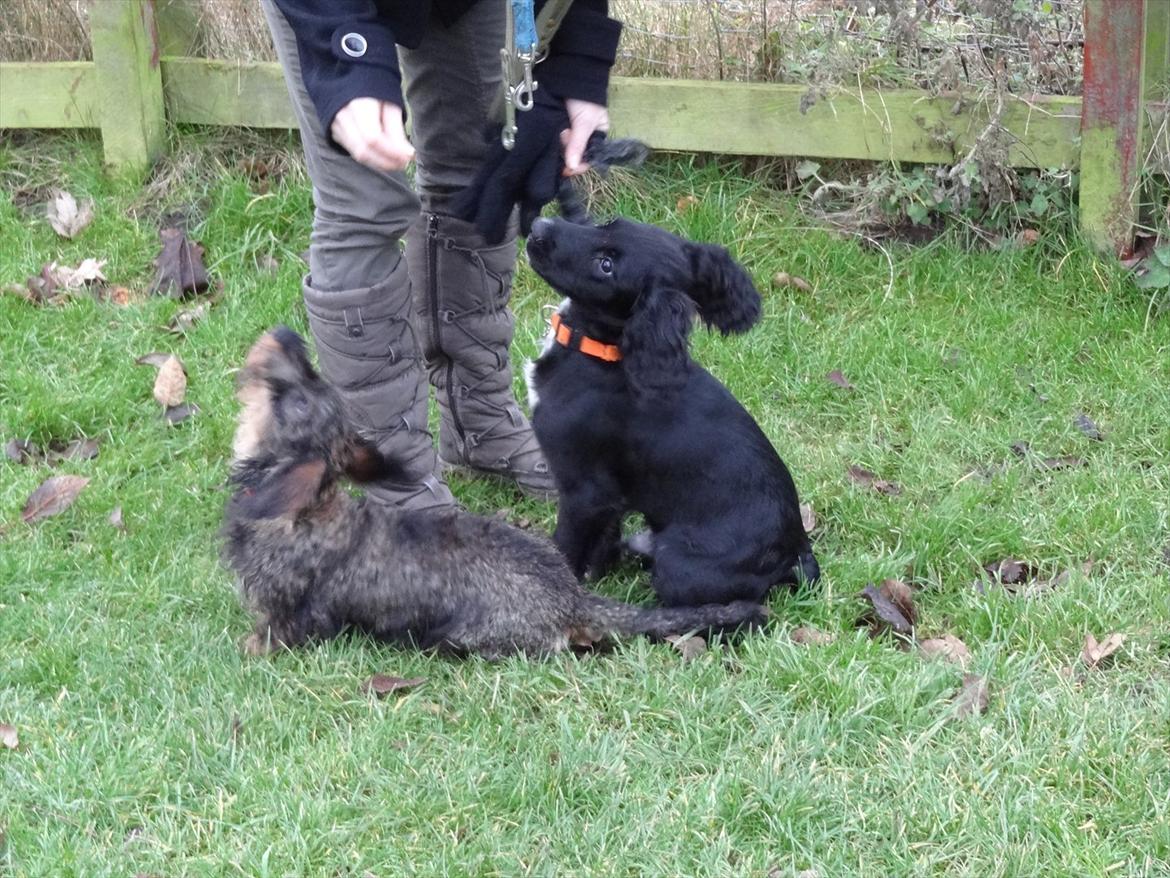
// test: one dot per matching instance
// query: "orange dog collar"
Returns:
(567, 337)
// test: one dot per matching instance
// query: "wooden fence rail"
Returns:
(131, 90)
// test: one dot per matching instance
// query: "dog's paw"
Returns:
(256, 645)
(640, 545)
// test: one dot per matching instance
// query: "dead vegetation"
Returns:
(932, 44)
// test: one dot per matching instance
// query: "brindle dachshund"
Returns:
(312, 560)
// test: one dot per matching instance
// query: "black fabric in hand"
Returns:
(529, 174)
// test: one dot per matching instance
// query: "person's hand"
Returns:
(584, 119)
(371, 131)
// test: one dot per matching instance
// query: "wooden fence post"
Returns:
(129, 81)
(1112, 120)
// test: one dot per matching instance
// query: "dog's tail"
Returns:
(603, 616)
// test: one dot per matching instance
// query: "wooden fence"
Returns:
(138, 82)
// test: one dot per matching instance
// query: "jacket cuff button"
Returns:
(354, 45)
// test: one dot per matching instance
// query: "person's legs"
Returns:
(462, 285)
(358, 295)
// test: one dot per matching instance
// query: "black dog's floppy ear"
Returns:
(724, 292)
(286, 493)
(654, 341)
(363, 462)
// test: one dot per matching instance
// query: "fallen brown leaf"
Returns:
(688, 647)
(176, 414)
(54, 281)
(1021, 578)
(685, 203)
(838, 378)
(868, 479)
(8, 736)
(87, 271)
(382, 685)
(180, 269)
(1087, 426)
(170, 385)
(973, 697)
(66, 216)
(947, 647)
(1010, 571)
(891, 609)
(119, 296)
(76, 449)
(784, 279)
(902, 596)
(1093, 653)
(21, 451)
(1028, 237)
(186, 319)
(806, 635)
(808, 518)
(1065, 462)
(55, 494)
(154, 358)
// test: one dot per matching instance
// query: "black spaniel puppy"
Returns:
(629, 422)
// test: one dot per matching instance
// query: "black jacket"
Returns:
(578, 64)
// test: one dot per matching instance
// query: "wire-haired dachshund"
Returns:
(312, 560)
(629, 422)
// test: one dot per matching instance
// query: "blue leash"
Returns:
(524, 26)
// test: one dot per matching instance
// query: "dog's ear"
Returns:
(286, 493)
(724, 292)
(654, 341)
(363, 462)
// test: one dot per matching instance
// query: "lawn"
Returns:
(149, 745)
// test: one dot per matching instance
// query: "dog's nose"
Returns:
(540, 238)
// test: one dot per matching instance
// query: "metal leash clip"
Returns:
(519, 86)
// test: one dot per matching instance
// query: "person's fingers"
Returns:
(395, 132)
(371, 132)
(574, 143)
(584, 119)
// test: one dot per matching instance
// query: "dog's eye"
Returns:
(605, 264)
(295, 402)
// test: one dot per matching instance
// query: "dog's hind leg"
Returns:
(803, 570)
(683, 578)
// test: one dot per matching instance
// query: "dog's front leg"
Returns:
(587, 536)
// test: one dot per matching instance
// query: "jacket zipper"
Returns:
(433, 294)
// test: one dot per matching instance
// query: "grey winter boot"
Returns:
(366, 348)
(461, 292)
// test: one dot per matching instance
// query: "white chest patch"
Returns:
(530, 365)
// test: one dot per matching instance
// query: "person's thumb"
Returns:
(575, 142)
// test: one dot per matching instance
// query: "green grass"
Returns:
(148, 744)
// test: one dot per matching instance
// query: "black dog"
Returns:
(311, 560)
(628, 421)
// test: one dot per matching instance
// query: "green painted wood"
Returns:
(201, 91)
(1112, 121)
(59, 95)
(130, 97)
(178, 27)
(1157, 55)
(733, 118)
(900, 125)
